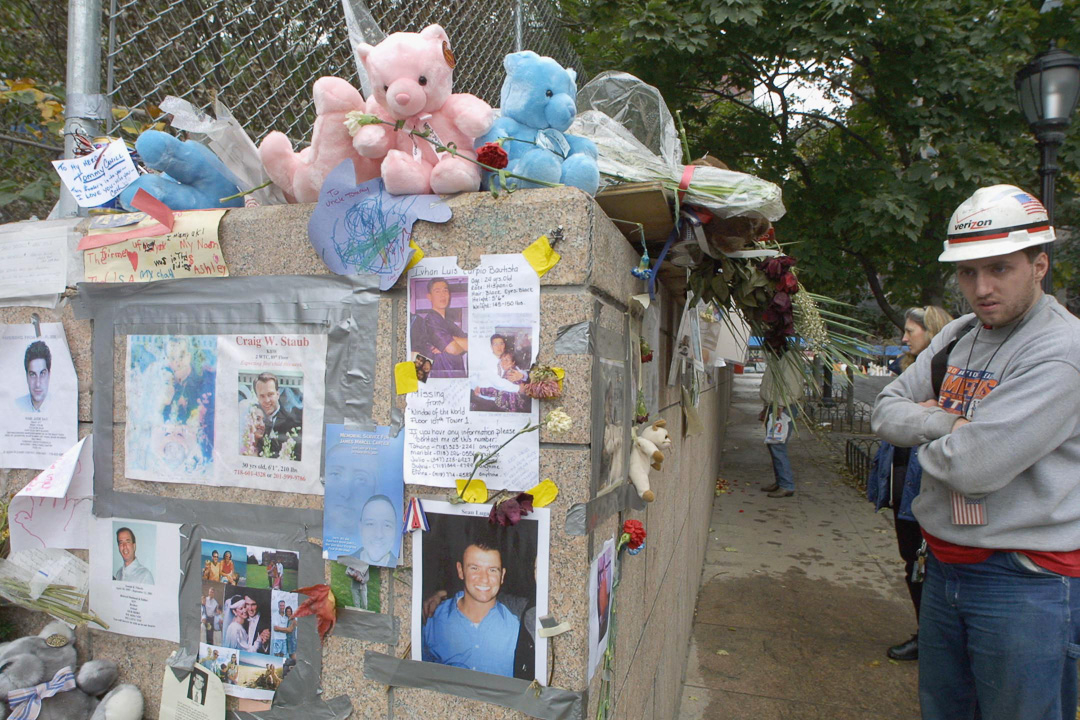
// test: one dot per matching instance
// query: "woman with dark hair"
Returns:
(895, 475)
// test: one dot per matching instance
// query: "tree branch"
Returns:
(844, 129)
(874, 281)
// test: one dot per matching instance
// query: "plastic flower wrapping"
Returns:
(637, 141)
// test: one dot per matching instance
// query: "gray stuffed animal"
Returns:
(31, 661)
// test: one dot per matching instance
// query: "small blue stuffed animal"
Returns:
(538, 104)
(193, 178)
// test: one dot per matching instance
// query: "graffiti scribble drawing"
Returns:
(374, 235)
(364, 229)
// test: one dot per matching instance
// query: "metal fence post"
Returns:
(85, 106)
(519, 29)
(849, 393)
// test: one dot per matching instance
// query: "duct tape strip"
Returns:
(521, 695)
(181, 661)
(397, 417)
(298, 698)
(88, 107)
(574, 339)
(610, 344)
(324, 303)
(582, 518)
(369, 626)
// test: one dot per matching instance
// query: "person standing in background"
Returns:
(895, 475)
(782, 389)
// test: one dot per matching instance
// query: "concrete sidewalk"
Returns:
(800, 596)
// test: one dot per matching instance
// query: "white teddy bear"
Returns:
(647, 453)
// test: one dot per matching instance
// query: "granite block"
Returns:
(654, 602)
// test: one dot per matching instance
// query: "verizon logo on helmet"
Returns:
(972, 225)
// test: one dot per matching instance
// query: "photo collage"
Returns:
(248, 636)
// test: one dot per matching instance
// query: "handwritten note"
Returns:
(191, 249)
(53, 510)
(97, 178)
(33, 258)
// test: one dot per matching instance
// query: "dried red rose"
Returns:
(509, 512)
(492, 155)
(788, 283)
(636, 531)
(781, 302)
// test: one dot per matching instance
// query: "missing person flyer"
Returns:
(229, 410)
(135, 576)
(40, 402)
(481, 331)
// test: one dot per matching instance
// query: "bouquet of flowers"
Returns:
(790, 320)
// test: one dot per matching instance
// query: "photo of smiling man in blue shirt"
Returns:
(472, 629)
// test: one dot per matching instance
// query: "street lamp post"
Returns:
(1047, 89)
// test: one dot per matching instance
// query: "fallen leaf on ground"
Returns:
(722, 652)
(730, 549)
(875, 663)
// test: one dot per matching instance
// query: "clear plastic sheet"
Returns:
(639, 143)
(637, 106)
(362, 29)
(230, 142)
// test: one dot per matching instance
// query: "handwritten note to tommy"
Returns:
(190, 250)
(97, 178)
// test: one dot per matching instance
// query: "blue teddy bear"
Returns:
(193, 177)
(538, 103)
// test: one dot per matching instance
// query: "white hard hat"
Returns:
(996, 220)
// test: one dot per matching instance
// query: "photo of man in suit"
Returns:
(280, 424)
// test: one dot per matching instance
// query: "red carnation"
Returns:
(493, 155)
(636, 531)
(788, 283)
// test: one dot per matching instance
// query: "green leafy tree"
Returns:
(921, 111)
(32, 62)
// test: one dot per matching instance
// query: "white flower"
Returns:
(354, 120)
(557, 422)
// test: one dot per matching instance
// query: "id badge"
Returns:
(968, 511)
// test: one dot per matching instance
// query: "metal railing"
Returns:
(261, 57)
(848, 416)
(859, 455)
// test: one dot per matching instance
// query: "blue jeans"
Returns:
(998, 641)
(781, 465)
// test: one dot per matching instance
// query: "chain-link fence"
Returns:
(261, 57)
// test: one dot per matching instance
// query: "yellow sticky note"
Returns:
(544, 493)
(418, 255)
(405, 378)
(477, 492)
(559, 375)
(541, 256)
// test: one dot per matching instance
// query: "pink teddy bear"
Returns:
(301, 175)
(411, 77)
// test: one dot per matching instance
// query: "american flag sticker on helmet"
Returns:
(1031, 205)
(968, 511)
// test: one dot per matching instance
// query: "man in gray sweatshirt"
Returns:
(994, 405)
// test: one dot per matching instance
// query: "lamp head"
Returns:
(1048, 88)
